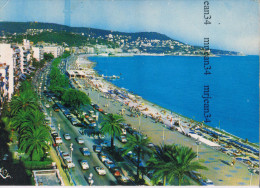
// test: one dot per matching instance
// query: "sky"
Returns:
(234, 23)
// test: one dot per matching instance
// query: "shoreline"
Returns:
(91, 64)
(103, 93)
(222, 131)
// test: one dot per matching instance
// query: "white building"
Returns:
(26, 44)
(10, 56)
(56, 51)
(37, 53)
(3, 82)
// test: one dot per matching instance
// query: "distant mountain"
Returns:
(144, 42)
(21, 27)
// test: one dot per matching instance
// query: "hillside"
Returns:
(139, 42)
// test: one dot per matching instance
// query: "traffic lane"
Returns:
(93, 160)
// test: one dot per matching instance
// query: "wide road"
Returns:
(79, 175)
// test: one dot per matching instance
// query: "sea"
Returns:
(178, 83)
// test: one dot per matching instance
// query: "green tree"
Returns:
(138, 145)
(48, 56)
(172, 162)
(34, 142)
(34, 119)
(26, 100)
(75, 98)
(112, 126)
(19, 119)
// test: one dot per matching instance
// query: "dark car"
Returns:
(96, 107)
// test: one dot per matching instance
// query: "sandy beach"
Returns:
(161, 125)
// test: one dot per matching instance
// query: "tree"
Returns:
(112, 126)
(48, 56)
(19, 119)
(75, 98)
(33, 119)
(138, 145)
(34, 142)
(173, 162)
(26, 100)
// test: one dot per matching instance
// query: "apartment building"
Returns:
(10, 56)
(37, 53)
(56, 51)
(3, 83)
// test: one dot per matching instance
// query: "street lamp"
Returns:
(59, 127)
(71, 150)
(251, 176)
(198, 143)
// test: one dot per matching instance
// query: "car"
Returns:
(123, 131)
(68, 162)
(105, 144)
(101, 136)
(84, 164)
(67, 136)
(116, 172)
(124, 179)
(96, 107)
(123, 139)
(98, 148)
(47, 105)
(206, 181)
(85, 151)
(56, 109)
(100, 170)
(109, 164)
(103, 157)
(80, 140)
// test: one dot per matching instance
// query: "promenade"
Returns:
(220, 172)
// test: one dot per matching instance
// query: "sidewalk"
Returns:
(56, 159)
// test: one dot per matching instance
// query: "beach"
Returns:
(158, 124)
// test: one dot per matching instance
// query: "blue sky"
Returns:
(234, 22)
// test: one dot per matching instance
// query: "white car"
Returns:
(69, 162)
(80, 140)
(67, 136)
(123, 131)
(124, 179)
(123, 139)
(47, 105)
(84, 164)
(100, 170)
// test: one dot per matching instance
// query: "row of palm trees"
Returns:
(26, 119)
(167, 163)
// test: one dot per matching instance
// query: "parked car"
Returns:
(80, 140)
(84, 164)
(85, 151)
(123, 139)
(100, 170)
(98, 148)
(109, 164)
(68, 162)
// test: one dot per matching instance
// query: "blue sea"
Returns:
(177, 83)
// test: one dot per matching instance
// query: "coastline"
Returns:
(160, 133)
(184, 118)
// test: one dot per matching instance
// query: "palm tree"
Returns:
(112, 126)
(26, 100)
(138, 145)
(34, 142)
(173, 162)
(19, 119)
(33, 119)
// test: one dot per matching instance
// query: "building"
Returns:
(56, 51)
(37, 53)
(3, 83)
